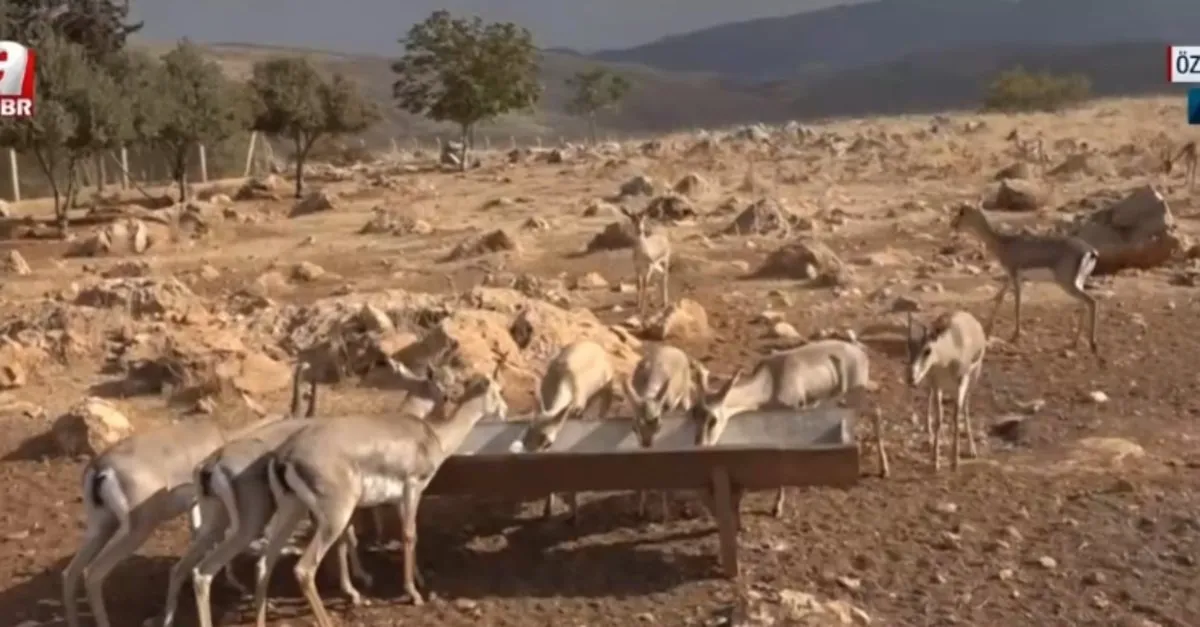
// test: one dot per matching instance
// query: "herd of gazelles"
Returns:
(263, 480)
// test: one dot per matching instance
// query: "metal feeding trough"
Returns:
(758, 451)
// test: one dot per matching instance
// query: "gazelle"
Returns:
(1188, 154)
(1065, 261)
(332, 467)
(234, 489)
(665, 379)
(949, 353)
(579, 377)
(790, 379)
(651, 256)
(129, 490)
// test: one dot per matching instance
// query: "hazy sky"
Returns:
(373, 26)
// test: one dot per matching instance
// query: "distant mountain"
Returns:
(885, 31)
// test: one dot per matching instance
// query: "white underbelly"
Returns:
(377, 489)
(1038, 275)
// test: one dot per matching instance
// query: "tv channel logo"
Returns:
(17, 63)
(1193, 110)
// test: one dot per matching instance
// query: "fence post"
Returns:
(250, 154)
(203, 165)
(124, 167)
(14, 175)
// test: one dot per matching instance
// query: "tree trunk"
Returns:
(462, 157)
(63, 209)
(179, 172)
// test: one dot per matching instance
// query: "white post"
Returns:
(203, 165)
(124, 167)
(250, 153)
(14, 175)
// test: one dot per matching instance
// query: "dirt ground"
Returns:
(1090, 517)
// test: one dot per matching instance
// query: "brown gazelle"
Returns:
(332, 467)
(651, 256)
(949, 354)
(133, 487)
(1187, 153)
(1065, 261)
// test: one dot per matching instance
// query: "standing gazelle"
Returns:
(1066, 261)
(133, 487)
(1188, 154)
(950, 354)
(334, 466)
(651, 256)
(665, 379)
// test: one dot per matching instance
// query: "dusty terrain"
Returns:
(1089, 516)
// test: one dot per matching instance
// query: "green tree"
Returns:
(293, 100)
(78, 113)
(465, 71)
(596, 90)
(100, 26)
(1019, 90)
(189, 103)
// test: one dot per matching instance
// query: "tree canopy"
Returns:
(466, 71)
(189, 103)
(100, 26)
(596, 90)
(1019, 90)
(292, 100)
(79, 112)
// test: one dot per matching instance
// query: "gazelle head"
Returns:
(924, 350)
(710, 411)
(647, 413)
(640, 226)
(424, 386)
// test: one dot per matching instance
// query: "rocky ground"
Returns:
(1083, 508)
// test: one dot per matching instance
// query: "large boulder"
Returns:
(1136, 232)
(90, 427)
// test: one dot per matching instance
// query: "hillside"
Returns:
(886, 30)
(654, 105)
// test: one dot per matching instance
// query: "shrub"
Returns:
(1019, 90)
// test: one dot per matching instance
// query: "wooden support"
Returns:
(250, 154)
(203, 164)
(14, 175)
(124, 167)
(727, 520)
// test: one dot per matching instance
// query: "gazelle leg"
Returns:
(287, 517)
(353, 565)
(1016, 287)
(214, 524)
(777, 510)
(666, 274)
(123, 544)
(250, 525)
(929, 412)
(101, 526)
(1087, 307)
(329, 528)
(959, 398)
(937, 429)
(412, 500)
(964, 391)
(996, 301)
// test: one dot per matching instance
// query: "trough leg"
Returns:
(727, 524)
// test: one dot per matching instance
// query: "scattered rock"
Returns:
(141, 297)
(535, 223)
(640, 185)
(90, 427)
(784, 330)
(1018, 170)
(259, 188)
(385, 222)
(315, 201)
(307, 271)
(129, 235)
(1098, 397)
(685, 320)
(615, 236)
(16, 361)
(670, 208)
(15, 264)
(591, 280)
(1137, 232)
(1017, 195)
(804, 259)
(479, 245)
(692, 185)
